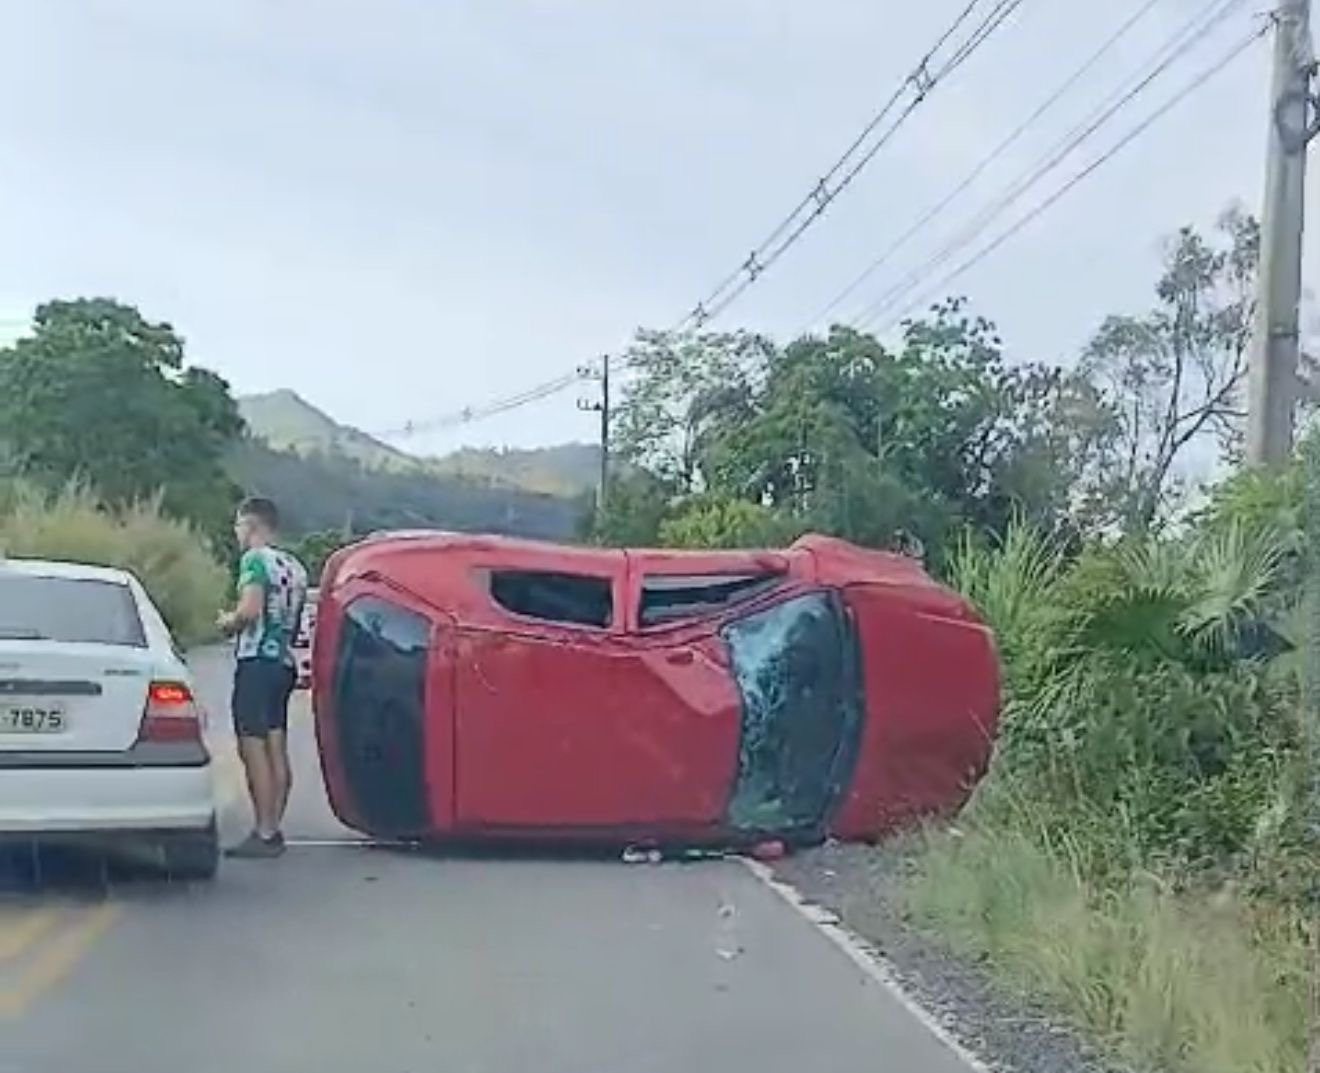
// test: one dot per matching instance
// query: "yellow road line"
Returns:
(57, 960)
(27, 930)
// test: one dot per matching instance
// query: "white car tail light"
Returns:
(171, 714)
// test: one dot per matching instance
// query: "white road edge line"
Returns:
(870, 961)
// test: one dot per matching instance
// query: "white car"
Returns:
(100, 733)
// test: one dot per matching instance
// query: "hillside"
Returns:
(326, 475)
(564, 469)
(321, 491)
(288, 422)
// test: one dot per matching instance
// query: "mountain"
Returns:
(288, 422)
(320, 491)
(325, 475)
(565, 469)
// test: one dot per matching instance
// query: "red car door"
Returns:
(568, 720)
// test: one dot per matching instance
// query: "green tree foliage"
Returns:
(313, 549)
(688, 390)
(713, 520)
(939, 431)
(101, 394)
(845, 435)
(636, 506)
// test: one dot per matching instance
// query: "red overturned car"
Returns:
(470, 687)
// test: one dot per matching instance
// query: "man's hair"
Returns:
(262, 510)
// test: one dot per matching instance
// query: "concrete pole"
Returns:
(1272, 375)
(604, 430)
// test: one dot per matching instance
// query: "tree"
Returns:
(845, 435)
(718, 521)
(686, 387)
(635, 508)
(101, 394)
(313, 549)
(1172, 377)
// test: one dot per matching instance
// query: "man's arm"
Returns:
(252, 581)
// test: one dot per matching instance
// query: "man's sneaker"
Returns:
(254, 847)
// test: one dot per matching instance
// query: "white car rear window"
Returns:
(71, 610)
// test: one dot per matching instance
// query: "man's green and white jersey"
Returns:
(283, 583)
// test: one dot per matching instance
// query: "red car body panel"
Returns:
(828, 690)
(576, 736)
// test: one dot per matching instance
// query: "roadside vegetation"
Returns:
(1140, 852)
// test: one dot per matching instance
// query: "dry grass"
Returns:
(167, 556)
(1179, 982)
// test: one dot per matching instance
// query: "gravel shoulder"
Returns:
(1009, 1032)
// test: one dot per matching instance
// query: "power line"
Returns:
(920, 82)
(814, 196)
(1086, 172)
(1173, 49)
(823, 182)
(468, 414)
(1059, 93)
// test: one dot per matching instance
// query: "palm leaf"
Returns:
(1235, 575)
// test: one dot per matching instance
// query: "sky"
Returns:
(405, 207)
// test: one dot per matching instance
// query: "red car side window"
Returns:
(667, 598)
(565, 599)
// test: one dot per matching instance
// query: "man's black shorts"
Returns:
(260, 704)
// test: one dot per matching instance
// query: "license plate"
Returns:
(33, 719)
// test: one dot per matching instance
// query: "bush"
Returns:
(168, 557)
(1136, 696)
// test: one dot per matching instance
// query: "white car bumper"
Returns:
(52, 799)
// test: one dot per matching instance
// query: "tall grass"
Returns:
(1178, 981)
(168, 557)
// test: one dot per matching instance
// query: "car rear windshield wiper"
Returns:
(21, 633)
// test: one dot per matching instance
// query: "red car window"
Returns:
(668, 597)
(565, 599)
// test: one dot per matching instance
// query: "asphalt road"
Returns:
(346, 957)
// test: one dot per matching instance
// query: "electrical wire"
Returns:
(990, 158)
(920, 82)
(493, 408)
(1173, 49)
(1131, 136)
(879, 117)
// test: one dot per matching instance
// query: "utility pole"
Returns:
(1274, 382)
(602, 407)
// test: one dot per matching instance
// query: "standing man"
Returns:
(272, 587)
